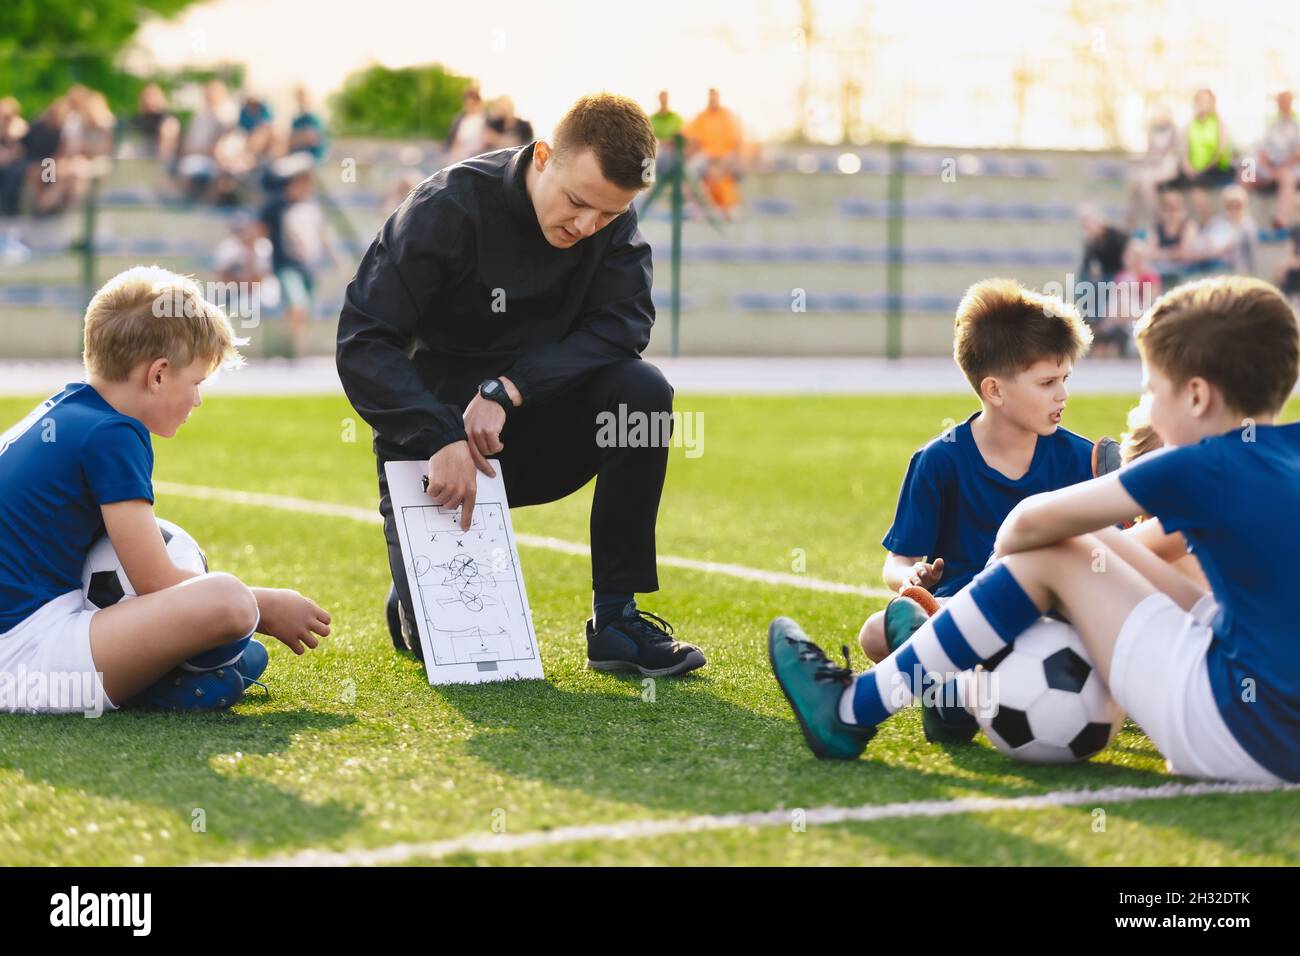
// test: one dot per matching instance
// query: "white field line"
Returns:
(642, 829)
(306, 506)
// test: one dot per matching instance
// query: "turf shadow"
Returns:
(179, 763)
(692, 751)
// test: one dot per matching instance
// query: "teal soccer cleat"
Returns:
(942, 725)
(813, 684)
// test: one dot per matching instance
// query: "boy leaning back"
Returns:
(1017, 348)
(81, 464)
(1218, 693)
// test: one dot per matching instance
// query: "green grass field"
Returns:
(354, 750)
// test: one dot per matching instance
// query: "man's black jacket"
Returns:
(460, 285)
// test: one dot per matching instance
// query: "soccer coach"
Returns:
(498, 312)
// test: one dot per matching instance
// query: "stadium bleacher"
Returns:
(814, 220)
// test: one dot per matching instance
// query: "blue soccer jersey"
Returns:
(952, 502)
(1236, 498)
(73, 453)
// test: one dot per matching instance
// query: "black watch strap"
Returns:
(497, 394)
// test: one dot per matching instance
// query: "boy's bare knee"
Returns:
(872, 637)
(233, 603)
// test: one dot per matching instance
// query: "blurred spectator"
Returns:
(1155, 170)
(1207, 158)
(96, 127)
(51, 185)
(667, 125)
(665, 122)
(502, 128)
(1176, 239)
(255, 121)
(245, 256)
(300, 240)
(156, 128)
(1136, 286)
(213, 151)
(467, 136)
(307, 131)
(1233, 237)
(1288, 272)
(715, 142)
(1278, 160)
(13, 156)
(1103, 247)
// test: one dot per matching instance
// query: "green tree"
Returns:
(48, 45)
(418, 101)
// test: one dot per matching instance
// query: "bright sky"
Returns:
(941, 72)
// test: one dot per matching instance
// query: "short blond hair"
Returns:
(147, 313)
(1002, 328)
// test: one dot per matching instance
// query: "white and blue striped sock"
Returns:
(975, 624)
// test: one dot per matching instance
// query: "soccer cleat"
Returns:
(393, 614)
(399, 628)
(640, 641)
(814, 684)
(252, 664)
(192, 691)
(1106, 457)
(941, 725)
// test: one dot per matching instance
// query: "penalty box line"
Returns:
(329, 509)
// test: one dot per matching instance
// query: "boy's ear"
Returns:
(154, 376)
(991, 391)
(1200, 394)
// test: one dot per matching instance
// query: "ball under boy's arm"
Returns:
(139, 545)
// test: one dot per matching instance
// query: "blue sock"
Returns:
(609, 606)
(218, 657)
(974, 625)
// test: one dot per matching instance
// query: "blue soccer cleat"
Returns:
(193, 690)
(252, 664)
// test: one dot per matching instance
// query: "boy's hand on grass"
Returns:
(291, 618)
(926, 575)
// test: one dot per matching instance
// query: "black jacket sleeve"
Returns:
(613, 322)
(416, 253)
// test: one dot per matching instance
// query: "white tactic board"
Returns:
(467, 587)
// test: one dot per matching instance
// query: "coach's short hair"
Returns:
(1237, 333)
(147, 313)
(1002, 328)
(617, 130)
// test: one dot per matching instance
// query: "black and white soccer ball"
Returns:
(104, 583)
(1041, 700)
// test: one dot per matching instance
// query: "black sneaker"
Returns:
(640, 641)
(399, 628)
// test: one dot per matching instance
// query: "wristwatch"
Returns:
(494, 391)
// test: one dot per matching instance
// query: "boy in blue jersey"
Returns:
(1017, 349)
(79, 465)
(1213, 679)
